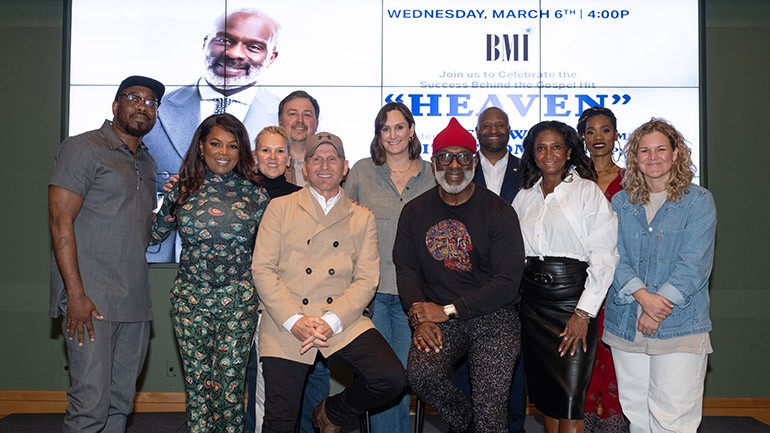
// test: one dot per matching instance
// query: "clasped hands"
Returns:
(427, 335)
(312, 332)
(655, 309)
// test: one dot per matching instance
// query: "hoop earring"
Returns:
(619, 152)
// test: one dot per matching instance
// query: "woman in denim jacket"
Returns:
(657, 319)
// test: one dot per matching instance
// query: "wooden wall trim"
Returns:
(24, 401)
(27, 401)
(756, 407)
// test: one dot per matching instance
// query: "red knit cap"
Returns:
(454, 135)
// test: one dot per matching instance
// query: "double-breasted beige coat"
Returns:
(309, 263)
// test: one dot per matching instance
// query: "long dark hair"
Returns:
(583, 165)
(193, 169)
(376, 149)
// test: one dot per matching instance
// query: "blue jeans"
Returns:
(254, 401)
(390, 319)
(316, 390)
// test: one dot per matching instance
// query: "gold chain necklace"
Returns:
(411, 164)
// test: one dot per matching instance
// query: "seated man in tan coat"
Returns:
(316, 267)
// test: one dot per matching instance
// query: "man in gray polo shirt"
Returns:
(100, 201)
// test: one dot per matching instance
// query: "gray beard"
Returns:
(228, 82)
(454, 189)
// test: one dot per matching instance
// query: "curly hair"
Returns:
(376, 149)
(682, 168)
(530, 172)
(193, 169)
(595, 111)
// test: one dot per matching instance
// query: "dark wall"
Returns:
(737, 83)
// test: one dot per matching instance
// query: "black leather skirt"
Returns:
(550, 292)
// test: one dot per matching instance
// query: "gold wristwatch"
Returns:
(450, 311)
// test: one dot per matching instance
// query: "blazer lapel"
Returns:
(511, 180)
(263, 111)
(309, 204)
(478, 176)
(181, 117)
(340, 211)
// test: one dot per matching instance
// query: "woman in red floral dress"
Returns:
(598, 127)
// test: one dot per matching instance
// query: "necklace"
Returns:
(613, 169)
(409, 167)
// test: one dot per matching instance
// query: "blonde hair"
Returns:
(682, 168)
(277, 130)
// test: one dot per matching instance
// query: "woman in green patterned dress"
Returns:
(216, 207)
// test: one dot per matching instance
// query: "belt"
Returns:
(548, 278)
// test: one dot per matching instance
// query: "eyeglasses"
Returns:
(445, 158)
(137, 100)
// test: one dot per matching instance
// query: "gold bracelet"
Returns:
(582, 314)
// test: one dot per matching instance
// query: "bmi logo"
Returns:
(507, 48)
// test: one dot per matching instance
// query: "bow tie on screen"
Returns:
(222, 104)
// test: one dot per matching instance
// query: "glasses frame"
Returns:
(138, 100)
(439, 157)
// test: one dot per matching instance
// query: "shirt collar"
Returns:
(326, 205)
(502, 162)
(571, 175)
(114, 141)
(244, 96)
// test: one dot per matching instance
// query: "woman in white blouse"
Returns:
(570, 235)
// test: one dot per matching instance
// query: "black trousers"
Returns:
(379, 379)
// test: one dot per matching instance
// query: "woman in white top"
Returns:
(570, 236)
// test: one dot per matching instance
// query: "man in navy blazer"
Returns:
(498, 171)
(239, 45)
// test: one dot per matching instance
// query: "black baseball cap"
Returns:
(137, 80)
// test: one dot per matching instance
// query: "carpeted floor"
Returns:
(147, 422)
(174, 422)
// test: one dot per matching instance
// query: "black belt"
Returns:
(547, 278)
(559, 270)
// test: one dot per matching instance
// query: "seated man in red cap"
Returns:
(459, 258)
